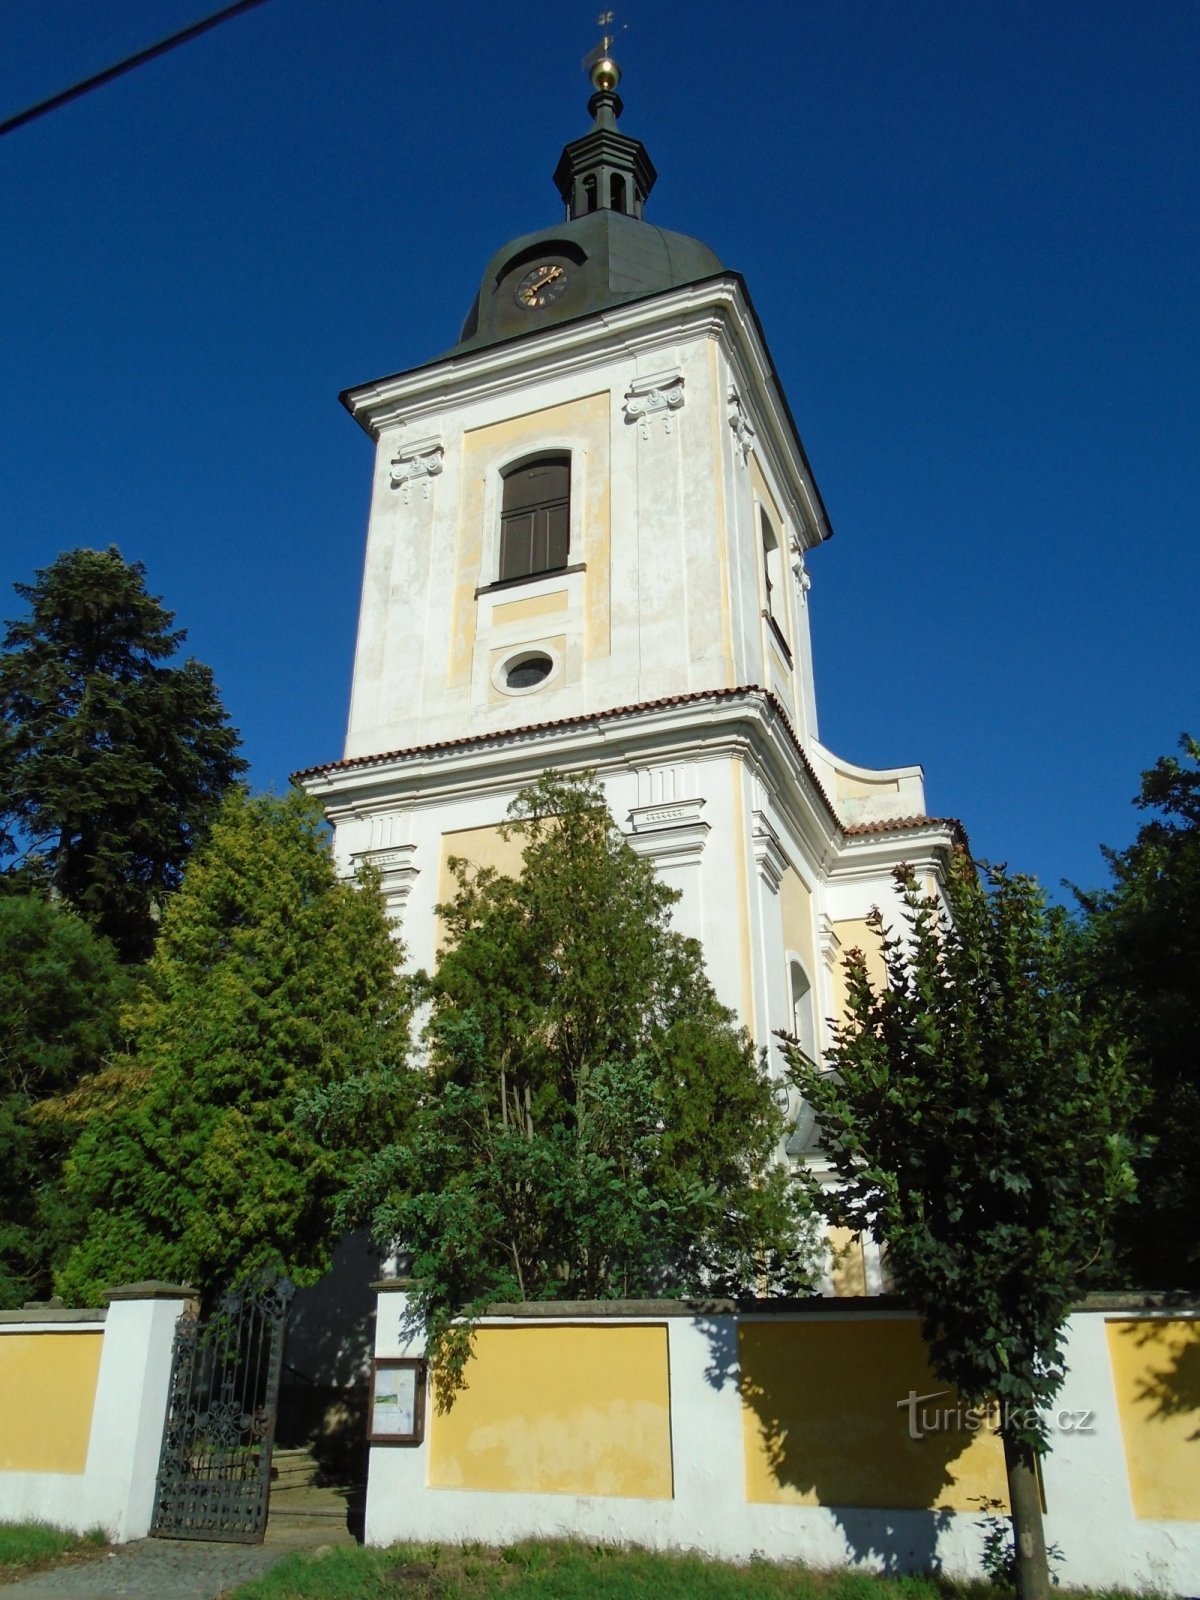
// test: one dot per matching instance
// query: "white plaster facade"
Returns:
(681, 660)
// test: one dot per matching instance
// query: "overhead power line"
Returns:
(109, 73)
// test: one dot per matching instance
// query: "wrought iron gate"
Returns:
(214, 1473)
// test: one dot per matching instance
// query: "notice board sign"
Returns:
(398, 1401)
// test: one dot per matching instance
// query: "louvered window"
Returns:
(535, 520)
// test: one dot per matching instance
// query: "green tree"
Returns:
(591, 1124)
(112, 761)
(979, 1127)
(61, 990)
(270, 978)
(1140, 954)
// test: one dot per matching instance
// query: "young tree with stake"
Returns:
(979, 1127)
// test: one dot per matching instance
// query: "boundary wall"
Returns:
(83, 1397)
(814, 1432)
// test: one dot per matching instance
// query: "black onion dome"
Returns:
(603, 254)
(608, 257)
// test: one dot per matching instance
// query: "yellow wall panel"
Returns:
(848, 1265)
(854, 934)
(795, 905)
(47, 1392)
(539, 605)
(852, 788)
(560, 1410)
(580, 426)
(821, 1424)
(1156, 1372)
(482, 847)
(719, 434)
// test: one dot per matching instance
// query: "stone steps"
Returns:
(304, 1511)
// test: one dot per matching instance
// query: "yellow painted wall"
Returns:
(855, 935)
(47, 1392)
(852, 788)
(848, 1268)
(719, 434)
(482, 847)
(821, 1426)
(538, 605)
(485, 452)
(795, 908)
(560, 1410)
(1156, 1372)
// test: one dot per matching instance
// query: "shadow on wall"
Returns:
(1156, 1376)
(1168, 1384)
(327, 1362)
(848, 1416)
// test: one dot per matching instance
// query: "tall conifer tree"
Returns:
(113, 761)
(271, 978)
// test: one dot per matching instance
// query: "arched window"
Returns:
(616, 192)
(805, 1136)
(535, 517)
(770, 558)
(804, 1019)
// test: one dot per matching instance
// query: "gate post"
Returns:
(395, 1475)
(131, 1404)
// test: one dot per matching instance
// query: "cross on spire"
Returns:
(605, 170)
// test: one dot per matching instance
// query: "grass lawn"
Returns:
(27, 1547)
(535, 1571)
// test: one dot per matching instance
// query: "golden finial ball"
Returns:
(606, 74)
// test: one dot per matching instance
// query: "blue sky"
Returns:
(970, 231)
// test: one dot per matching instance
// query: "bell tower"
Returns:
(588, 546)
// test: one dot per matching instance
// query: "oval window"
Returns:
(528, 672)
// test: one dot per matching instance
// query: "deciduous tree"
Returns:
(1140, 955)
(270, 978)
(113, 761)
(592, 1124)
(979, 1126)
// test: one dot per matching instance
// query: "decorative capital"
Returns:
(768, 852)
(800, 574)
(660, 392)
(740, 423)
(415, 463)
(828, 942)
(672, 831)
(397, 874)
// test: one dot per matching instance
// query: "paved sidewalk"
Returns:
(153, 1569)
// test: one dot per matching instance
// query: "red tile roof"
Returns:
(584, 719)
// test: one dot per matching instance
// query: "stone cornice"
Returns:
(746, 724)
(924, 846)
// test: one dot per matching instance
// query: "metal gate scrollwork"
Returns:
(214, 1473)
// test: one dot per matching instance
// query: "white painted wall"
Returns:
(682, 580)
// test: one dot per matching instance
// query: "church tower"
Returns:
(588, 543)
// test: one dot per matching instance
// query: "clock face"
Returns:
(542, 285)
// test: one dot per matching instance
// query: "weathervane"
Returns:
(598, 63)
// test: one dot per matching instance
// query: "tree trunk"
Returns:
(1029, 1539)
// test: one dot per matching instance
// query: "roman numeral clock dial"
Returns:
(541, 286)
